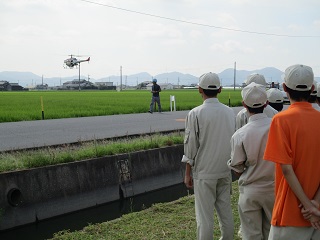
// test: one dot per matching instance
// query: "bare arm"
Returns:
(297, 189)
(187, 177)
(295, 185)
(317, 196)
(307, 214)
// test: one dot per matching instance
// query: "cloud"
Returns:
(316, 23)
(231, 46)
(295, 27)
(195, 34)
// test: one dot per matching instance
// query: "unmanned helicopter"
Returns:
(74, 62)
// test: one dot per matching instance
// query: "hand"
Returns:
(308, 213)
(312, 214)
(188, 181)
(315, 222)
(237, 174)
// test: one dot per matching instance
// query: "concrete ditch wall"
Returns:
(37, 194)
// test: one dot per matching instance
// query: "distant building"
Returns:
(6, 86)
(41, 87)
(76, 84)
(105, 85)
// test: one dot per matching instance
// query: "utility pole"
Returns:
(79, 77)
(120, 78)
(234, 78)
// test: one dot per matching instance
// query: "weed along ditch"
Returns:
(98, 214)
(44, 200)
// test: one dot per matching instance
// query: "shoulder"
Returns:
(242, 114)
(242, 111)
(270, 111)
(239, 134)
(195, 110)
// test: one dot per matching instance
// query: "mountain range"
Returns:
(227, 78)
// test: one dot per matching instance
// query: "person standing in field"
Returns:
(293, 146)
(313, 97)
(256, 181)
(208, 130)
(243, 115)
(155, 98)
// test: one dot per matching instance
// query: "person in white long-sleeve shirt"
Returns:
(208, 130)
(256, 182)
(243, 115)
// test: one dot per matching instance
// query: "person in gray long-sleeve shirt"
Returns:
(256, 182)
(208, 131)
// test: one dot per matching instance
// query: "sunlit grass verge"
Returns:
(169, 221)
(26, 159)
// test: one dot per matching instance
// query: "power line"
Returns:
(200, 24)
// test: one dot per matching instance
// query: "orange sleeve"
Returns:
(278, 147)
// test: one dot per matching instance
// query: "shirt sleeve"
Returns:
(278, 145)
(191, 139)
(238, 155)
(241, 119)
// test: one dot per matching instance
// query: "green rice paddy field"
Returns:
(33, 105)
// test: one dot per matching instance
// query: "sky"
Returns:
(158, 36)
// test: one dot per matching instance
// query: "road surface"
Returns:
(33, 134)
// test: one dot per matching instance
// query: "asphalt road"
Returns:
(33, 134)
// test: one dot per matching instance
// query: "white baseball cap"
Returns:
(315, 90)
(209, 81)
(318, 90)
(299, 77)
(274, 95)
(254, 95)
(257, 78)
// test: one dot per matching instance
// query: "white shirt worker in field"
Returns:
(208, 130)
(243, 116)
(256, 182)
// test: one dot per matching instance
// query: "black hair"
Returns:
(255, 110)
(312, 99)
(211, 93)
(277, 106)
(298, 96)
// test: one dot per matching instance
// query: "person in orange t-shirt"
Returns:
(293, 145)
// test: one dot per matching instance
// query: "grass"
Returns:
(26, 159)
(175, 220)
(170, 221)
(26, 106)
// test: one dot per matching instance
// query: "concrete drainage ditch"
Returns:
(33, 195)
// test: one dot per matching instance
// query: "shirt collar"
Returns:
(300, 104)
(257, 116)
(211, 100)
